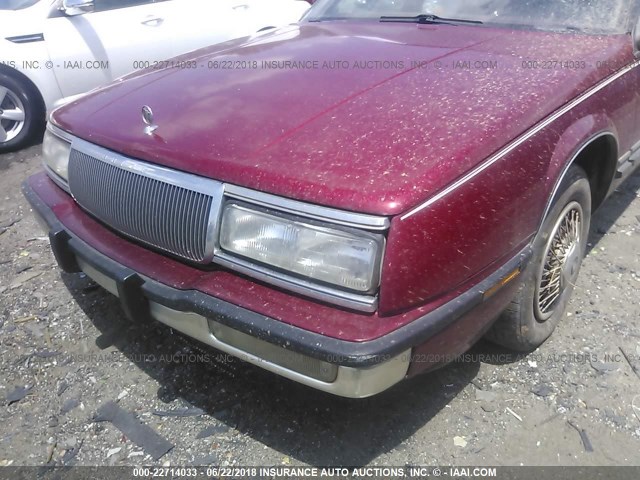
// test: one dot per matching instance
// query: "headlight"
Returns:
(55, 152)
(350, 260)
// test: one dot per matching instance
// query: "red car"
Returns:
(360, 197)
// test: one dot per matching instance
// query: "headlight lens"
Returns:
(55, 152)
(329, 255)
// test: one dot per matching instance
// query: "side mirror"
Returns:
(77, 7)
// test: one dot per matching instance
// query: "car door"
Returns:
(636, 34)
(630, 151)
(118, 36)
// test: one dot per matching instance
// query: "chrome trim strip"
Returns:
(622, 160)
(270, 352)
(188, 181)
(34, 37)
(363, 303)
(58, 132)
(350, 382)
(213, 225)
(520, 140)
(625, 169)
(325, 214)
(109, 284)
(57, 179)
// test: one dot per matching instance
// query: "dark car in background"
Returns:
(360, 197)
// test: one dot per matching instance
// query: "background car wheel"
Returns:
(21, 113)
(549, 278)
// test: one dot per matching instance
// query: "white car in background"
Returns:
(53, 50)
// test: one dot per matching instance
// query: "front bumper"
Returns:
(261, 341)
(345, 368)
(143, 297)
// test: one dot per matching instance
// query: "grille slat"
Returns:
(183, 243)
(170, 217)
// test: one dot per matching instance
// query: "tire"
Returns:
(21, 113)
(548, 280)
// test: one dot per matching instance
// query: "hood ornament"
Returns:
(147, 118)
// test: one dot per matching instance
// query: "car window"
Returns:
(102, 5)
(598, 16)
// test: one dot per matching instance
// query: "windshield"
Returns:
(598, 16)
(16, 4)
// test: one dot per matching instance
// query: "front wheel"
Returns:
(549, 279)
(21, 113)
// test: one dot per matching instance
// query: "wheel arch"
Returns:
(597, 156)
(21, 77)
(599, 159)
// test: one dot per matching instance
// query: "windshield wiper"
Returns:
(428, 18)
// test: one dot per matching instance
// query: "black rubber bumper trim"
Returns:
(135, 291)
(58, 238)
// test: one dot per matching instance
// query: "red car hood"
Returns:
(360, 127)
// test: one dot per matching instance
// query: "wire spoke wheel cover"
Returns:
(560, 262)
(538, 306)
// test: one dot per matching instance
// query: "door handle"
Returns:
(242, 6)
(152, 21)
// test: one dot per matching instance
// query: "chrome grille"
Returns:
(171, 217)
